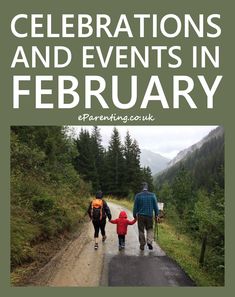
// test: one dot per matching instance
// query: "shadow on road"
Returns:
(125, 270)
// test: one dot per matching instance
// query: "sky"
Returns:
(165, 140)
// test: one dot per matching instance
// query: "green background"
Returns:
(222, 114)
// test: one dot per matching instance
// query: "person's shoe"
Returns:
(120, 247)
(150, 246)
(96, 246)
(142, 247)
(123, 246)
(104, 238)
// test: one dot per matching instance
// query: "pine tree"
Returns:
(85, 162)
(184, 199)
(132, 164)
(115, 165)
(98, 152)
(147, 177)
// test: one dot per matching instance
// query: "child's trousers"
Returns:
(121, 240)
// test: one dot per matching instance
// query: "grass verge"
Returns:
(185, 252)
(126, 203)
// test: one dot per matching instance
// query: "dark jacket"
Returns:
(122, 223)
(105, 211)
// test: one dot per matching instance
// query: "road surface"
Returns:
(79, 265)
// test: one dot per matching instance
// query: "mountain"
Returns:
(203, 160)
(186, 152)
(155, 161)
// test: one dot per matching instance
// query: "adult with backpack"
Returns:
(144, 206)
(98, 211)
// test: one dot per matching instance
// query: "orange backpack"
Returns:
(96, 209)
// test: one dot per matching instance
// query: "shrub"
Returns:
(42, 204)
(22, 234)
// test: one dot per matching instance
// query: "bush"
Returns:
(22, 234)
(48, 227)
(43, 204)
(214, 263)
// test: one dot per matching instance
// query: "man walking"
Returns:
(144, 206)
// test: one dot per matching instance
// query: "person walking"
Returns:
(122, 224)
(144, 206)
(98, 211)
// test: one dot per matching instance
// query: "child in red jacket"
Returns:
(122, 223)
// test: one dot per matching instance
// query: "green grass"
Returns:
(179, 247)
(126, 203)
(185, 252)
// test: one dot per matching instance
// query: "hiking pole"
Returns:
(155, 229)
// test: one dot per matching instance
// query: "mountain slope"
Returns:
(155, 161)
(186, 152)
(204, 161)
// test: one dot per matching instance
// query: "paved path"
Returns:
(79, 265)
(133, 267)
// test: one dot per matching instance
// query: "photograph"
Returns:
(117, 206)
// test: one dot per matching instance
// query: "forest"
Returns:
(53, 176)
(116, 170)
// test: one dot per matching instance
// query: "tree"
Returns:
(165, 194)
(51, 141)
(85, 162)
(209, 212)
(182, 190)
(146, 175)
(132, 165)
(98, 152)
(115, 174)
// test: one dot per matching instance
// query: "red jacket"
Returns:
(122, 223)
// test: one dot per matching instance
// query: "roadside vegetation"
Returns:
(192, 191)
(185, 251)
(48, 197)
